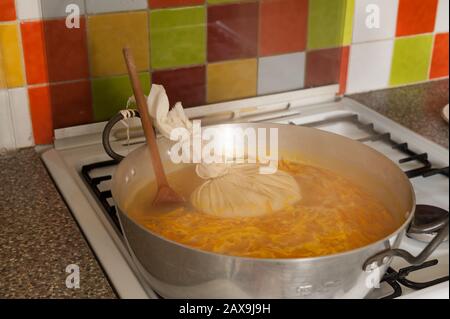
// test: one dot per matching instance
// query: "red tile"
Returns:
(41, 114)
(416, 16)
(34, 52)
(344, 70)
(71, 104)
(323, 67)
(173, 3)
(439, 64)
(7, 10)
(232, 31)
(183, 85)
(283, 26)
(66, 49)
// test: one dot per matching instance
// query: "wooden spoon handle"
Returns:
(161, 179)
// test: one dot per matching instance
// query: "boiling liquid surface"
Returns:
(333, 216)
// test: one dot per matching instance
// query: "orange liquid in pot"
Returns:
(333, 216)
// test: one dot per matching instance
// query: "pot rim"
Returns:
(291, 260)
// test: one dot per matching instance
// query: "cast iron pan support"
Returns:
(386, 255)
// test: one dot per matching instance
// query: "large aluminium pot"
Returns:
(178, 271)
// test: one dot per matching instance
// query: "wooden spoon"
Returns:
(165, 194)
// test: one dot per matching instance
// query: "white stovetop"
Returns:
(71, 153)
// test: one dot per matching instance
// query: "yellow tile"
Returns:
(12, 65)
(232, 80)
(109, 33)
(348, 25)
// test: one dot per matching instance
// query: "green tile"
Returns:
(111, 94)
(326, 22)
(177, 37)
(411, 60)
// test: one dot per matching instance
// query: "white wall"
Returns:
(15, 120)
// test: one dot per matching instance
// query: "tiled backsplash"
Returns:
(203, 51)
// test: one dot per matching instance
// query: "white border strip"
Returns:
(256, 104)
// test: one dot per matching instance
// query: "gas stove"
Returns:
(82, 172)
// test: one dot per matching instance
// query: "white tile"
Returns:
(442, 16)
(57, 8)
(20, 111)
(281, 73)
(363, 32)
(36, 9)
(28, 9)
(100, 6)
(6, 127)
(369, 66)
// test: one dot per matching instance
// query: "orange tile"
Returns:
(7, 10)
(283, 26)
(344, 70)
(439, 64)
(416, 16)
(66, 49)
(71, 104)
(34, 52)
(41, 114)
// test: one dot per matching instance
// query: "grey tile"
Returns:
(100, 6)
(57, 8)
(281, 73)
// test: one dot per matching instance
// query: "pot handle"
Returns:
(384, 256)
(122, 115)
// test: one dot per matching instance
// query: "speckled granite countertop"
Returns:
(418, 107)
(39, 237)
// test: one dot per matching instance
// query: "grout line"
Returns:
(347, 15)
(430, 58)
(396, 18)
(88, 52)
(398, 86)
(391, 62)
(258, 46)
(84, 14)
(15, 125)
(353, 23)
(12, 136)
(33, 86)
(88, 47)
(205, 89)
(8, 22)
(306, 45)
(151, 70)
(375, 40)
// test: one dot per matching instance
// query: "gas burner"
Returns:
(426, 214)
(397, 279)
